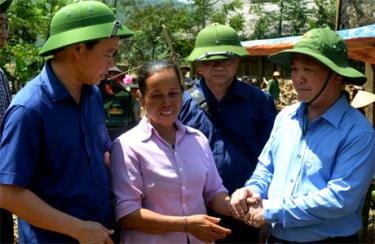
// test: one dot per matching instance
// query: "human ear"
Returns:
(77, 49)
(338, 79)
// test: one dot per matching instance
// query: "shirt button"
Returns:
(181, 169)
(299, 156)
(183, 187)
(184, 205)
(291, 180)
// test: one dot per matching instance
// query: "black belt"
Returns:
(341, 239)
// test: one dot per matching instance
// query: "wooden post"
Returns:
(338, 15)
(369, 72)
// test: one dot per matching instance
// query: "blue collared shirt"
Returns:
(248, 112)
(316, 184)
(55, 147)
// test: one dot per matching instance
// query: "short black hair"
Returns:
(153, 67)
(89, 45)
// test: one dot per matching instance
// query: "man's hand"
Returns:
(93, 232)
(206, 228)
(254, 216)
(240, 200)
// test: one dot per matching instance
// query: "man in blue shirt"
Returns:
(236, 117)
(53, 135)
(313, 174)
(6, 219)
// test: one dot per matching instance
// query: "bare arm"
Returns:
(107, 159)
(201, 226)
(220, 204)
(35, 211)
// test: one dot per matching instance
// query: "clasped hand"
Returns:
(247, 206)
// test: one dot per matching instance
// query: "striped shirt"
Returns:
(4, 94)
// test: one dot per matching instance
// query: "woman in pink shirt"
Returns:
(163, 172)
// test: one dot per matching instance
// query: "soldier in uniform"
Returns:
(118, 104)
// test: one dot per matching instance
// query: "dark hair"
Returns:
(153, 67)
(91, 44)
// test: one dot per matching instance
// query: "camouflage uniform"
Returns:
(118, 106)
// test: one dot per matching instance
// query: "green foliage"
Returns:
(182, 22)
(149, 41)
(325, 14)
(202, 9)
(28, 21)
(292, 17)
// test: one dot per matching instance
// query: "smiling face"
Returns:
(309, 75)
(162, 98)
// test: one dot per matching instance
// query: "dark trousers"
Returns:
(241, 232)
(6, 226)
(344, 239)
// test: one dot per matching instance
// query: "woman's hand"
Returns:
(206, 228)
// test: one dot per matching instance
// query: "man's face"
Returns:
(4, 32)
(220, 72)
(308, 76)
(95, 62)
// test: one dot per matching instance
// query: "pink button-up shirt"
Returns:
(148, 173)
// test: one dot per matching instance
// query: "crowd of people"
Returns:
(207, 160)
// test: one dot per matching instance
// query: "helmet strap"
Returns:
(307, 104)
(116, 26)
(219, 53)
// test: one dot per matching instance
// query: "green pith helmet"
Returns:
(324, 45)
(81, 22)
(217, 42)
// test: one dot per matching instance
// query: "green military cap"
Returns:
(217, 42)
(326, 46)
(80, 22)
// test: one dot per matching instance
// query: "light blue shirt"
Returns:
(315, 185)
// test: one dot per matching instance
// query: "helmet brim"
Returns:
(82, 34)
(198, 54)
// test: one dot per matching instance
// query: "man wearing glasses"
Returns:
(236, 117)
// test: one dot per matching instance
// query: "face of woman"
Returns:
(162, 99)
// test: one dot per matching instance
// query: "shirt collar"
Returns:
(148, 130)
(333, 115)
(235, 89)
(55, 87)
